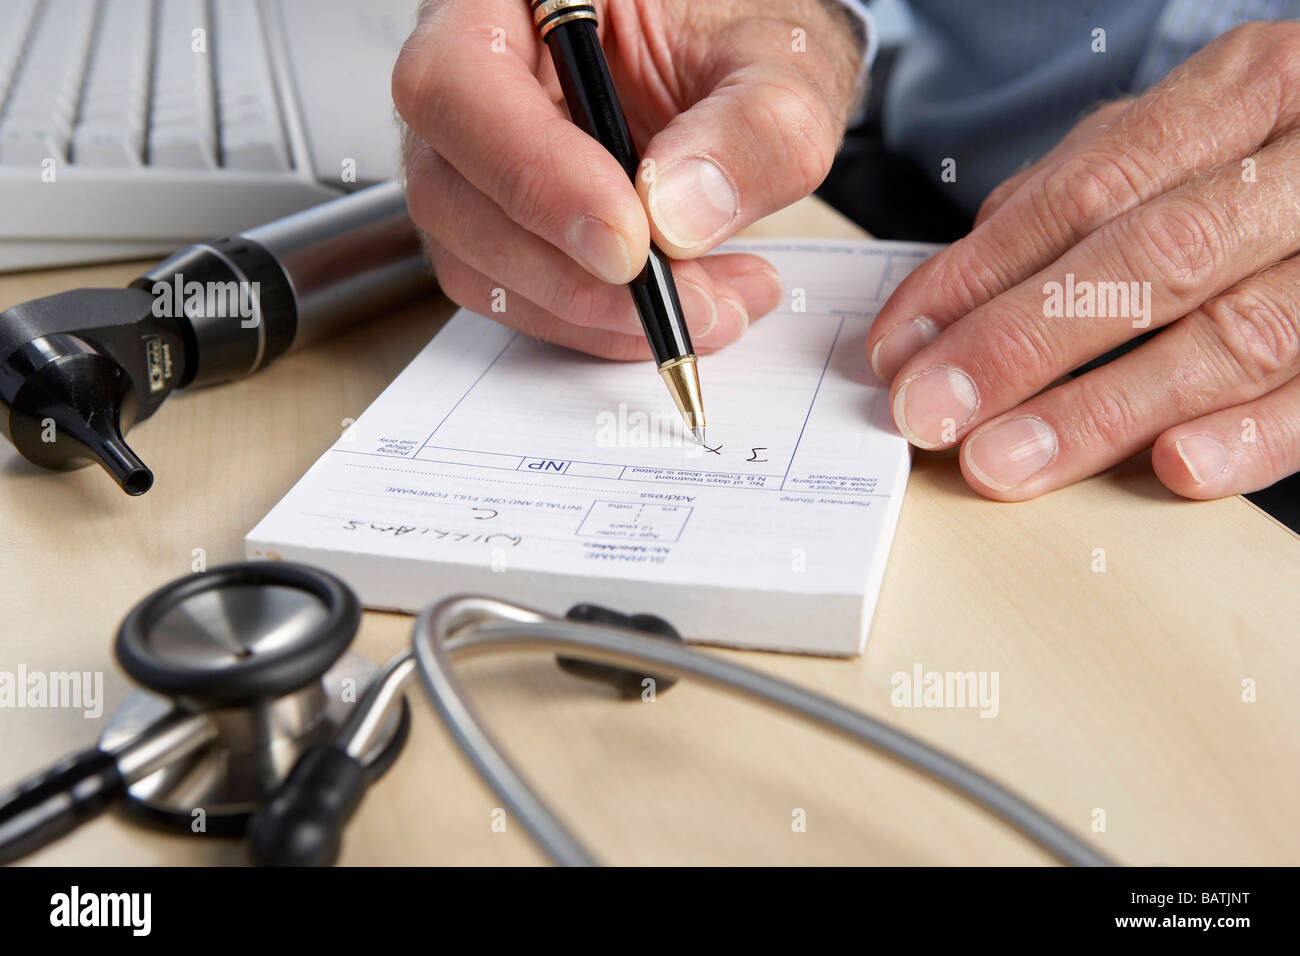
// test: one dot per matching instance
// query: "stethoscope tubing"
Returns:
(327, 783)
(437, 641)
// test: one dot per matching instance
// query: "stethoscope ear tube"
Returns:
(303, 822)
(54, 802)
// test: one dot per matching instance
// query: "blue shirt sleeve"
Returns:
(995, 84)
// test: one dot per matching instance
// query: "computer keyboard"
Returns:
(129, 127)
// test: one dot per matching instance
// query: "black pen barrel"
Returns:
(655, 295)
(595, 109)
(589, 89)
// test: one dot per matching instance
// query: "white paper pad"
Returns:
(501, 465)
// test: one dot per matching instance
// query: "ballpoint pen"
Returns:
(569, 29)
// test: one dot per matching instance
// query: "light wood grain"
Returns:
(1119, 690)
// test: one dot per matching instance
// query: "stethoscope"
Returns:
(255, 719)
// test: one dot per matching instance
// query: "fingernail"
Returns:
(600, 249)
(1205, 457)
(892, 352)
(692, 201)
(931, 406)
(1011, 452)
(698, 307)
(733, 319)
(760, 288)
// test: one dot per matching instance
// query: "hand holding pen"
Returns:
(736, 109)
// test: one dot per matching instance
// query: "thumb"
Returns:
(763, 138)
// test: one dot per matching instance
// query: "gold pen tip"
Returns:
(683, 381)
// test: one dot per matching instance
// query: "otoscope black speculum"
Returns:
(78, 369)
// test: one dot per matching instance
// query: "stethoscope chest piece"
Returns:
(260, 650)
(247, 679)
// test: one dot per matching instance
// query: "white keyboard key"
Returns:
(256, 147)
(106, 144)
(251, 131)
(18, 17)
(182, 146)
(43, 100)
(183, 132)
(30, 141)
(112, 120)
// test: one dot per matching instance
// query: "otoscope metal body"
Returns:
(79, 368)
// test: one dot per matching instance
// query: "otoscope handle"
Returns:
(303, 823)
(55, 801)
(251, 297)
(347, 260)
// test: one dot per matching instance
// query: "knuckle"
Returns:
(1279, 439)
(524, 192)
(433, 196)
(1089, 190)
(789, 114)
(1018, 355)
(417, 199)
(407, 82)
(569, 296)
(418, 164)
(966, 276)
(1287, 35)
(454, 282)
(411, 146)
(616, 346)
(993, 200)
(1258, 329)
(535, 325)
(1106, 415)
(1182, 242)
(524, 187)
(1200, 378)
(1276, 41)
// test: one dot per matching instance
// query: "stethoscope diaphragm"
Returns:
(238, 633)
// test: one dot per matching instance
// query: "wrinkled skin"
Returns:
(1192, 188)
(747, 100)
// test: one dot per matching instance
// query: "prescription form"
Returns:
(498, 464)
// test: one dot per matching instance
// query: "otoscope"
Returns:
(79, 368)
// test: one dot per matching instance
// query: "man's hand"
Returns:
(738, 107)
(1178, 209)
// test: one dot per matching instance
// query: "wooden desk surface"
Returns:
(1120, 691)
